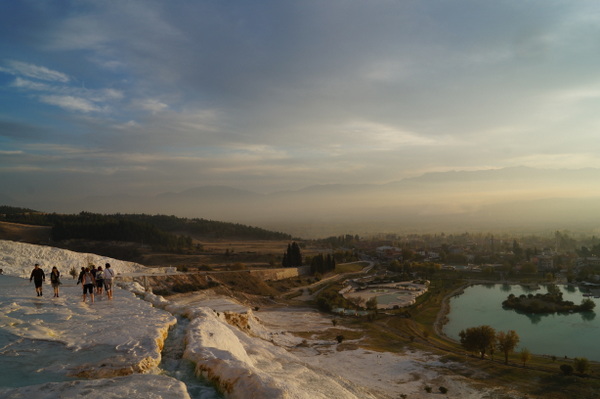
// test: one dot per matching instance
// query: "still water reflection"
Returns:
(570, 334)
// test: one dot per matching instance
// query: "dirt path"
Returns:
(307, 296)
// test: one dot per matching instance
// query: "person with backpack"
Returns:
(109, 274)
(55, 280)
(99, 280)
(88, 281)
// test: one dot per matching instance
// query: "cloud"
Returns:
(26, 84)
(558, 160)
(151, 104)
(298, 92)
(71, 103)
(61, 92)
(382, 137)
(35, 72)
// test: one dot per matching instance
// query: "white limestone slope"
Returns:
(257, 355)
(138, 386)
(68, 338)
(17, 259)
(247, 354)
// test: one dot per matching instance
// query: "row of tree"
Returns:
(347, 240)
(546, 303)
(292, 256)
(196, 226)
(208, 228)
(90, 226)
(484, 339)
(322, 264)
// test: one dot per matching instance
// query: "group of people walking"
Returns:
(91, 278)
(95, 280)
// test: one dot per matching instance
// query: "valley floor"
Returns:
(271, 352)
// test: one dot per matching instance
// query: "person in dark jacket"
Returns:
(38, 277)
(55, 281)
(81, 273)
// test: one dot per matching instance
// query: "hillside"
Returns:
(152, 240)
(25, 233)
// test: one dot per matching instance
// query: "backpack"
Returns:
(99, 275)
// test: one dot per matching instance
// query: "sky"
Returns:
(144, 97)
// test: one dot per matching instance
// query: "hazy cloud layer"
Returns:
(152, 96)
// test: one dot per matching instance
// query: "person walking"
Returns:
(38, 277)
(99, 280)
(55, 280)
(81, 273)
(109, 274)
(88, 281)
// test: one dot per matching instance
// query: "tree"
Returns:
(525, 355)
(517, 250)
(292, 257)
(507, 342)
(322, 264)
(357, 301)
(587, 304)
(581, 364)
(478, 339)
(554, 291)
(372, 303)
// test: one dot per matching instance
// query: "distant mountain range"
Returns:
(518, 198)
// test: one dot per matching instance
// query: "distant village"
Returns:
(409, 260)
(558, 258)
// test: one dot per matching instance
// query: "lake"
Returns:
(571, 334)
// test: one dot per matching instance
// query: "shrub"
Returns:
(581, 364)
(566, 369)
(443, 390)
(428, 389)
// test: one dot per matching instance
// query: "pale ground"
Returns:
(402, 296)
(247, 354)
(354, 373)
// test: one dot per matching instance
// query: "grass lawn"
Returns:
(350, 267)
